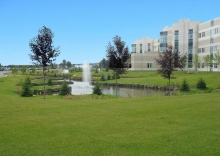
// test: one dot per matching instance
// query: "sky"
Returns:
(83, 28)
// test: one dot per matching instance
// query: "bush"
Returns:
(26, 91)
(109, 77)
(184, 86)
(102, 78)
(64, 89)
(113, 76)
(201, 84)
(49, 82)
(97, 90)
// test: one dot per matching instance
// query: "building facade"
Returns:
(187, 37)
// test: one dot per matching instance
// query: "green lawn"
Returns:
(212, 79)
(175, 125)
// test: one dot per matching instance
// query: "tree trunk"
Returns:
(44, 80)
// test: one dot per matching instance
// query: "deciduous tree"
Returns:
(43, 51)
(217, 59)
(207, 61)
(117, 56)
(168, 61)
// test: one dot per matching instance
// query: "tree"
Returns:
(96, 89)
(33, 70)
(217, 58)
(68, 64)
(26, 91)
(201, 84)
(196, 61)
(117, 55)
(64, 89)
(207, 61)
(43, 51)
(63, 64)
(167, 61)
(23, 70)
(14, 70)
(184, 86)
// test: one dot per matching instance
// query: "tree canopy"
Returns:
(168, 61)
(43, 52)
(117, 55)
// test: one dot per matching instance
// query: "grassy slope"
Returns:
(176, 125)
(212, 79)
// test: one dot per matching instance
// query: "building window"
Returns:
(199, 50)
(215, 49)
(133, 48)
(198, 65)
(203, 65)
(203, 50)
(148, 46)
(215, 65)
(200, 35)
(216, 30)
(140, 48)
(211, 40)
(212, 23)
(176, 41)
(203, 34)
(163, 41)
(149, 65)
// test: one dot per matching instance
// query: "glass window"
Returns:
(190, 51)
(199, 50)
(149, 65)
(216, 30)
(211, 40)
(148, 46)
(140, 48)
(212, 32)
(203, 50)
(203, 65)
(203, 34)
(133, 48)
(200, 35)
(190, 36)
(212, 23)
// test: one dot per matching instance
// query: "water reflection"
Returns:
(128, 92)
(79, 88)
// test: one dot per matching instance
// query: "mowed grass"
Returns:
(212, 79)
(175, 125)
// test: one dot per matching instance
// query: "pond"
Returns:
(79, 88)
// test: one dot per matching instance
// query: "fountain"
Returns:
(86, 73)
(84, 87)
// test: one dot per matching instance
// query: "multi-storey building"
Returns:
(187, 37)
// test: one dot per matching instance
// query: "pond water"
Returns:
(79, 88)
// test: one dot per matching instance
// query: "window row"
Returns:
(201, 50)
(202, 34)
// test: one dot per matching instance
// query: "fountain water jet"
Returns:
(86, 73)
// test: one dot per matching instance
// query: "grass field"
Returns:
(175, 125)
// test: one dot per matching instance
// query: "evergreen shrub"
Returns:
(64, 90)
(201, 84)
(96, 89)
(26, 91)
(184, 86)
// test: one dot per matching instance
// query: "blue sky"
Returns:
(83, 28)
